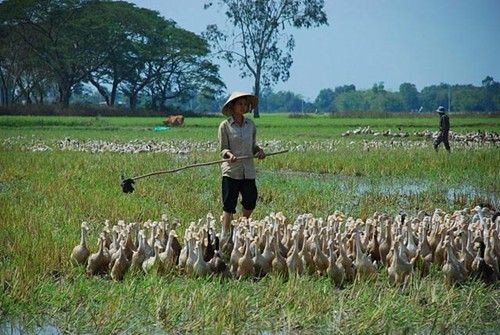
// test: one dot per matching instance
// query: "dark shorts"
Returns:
(231, 188)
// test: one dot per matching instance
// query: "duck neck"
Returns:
(277, 252)
(169, 242)
(141, 243)
(375, 236)
(157, 250)
(469, 240)
(409, 233)
(487, 243)
(136, 234)
(247, 248)
(122, 253)
(342, 251)
(268, 243)
(333, 256)
(463, 241)
(295, 246)
(101, 246)
(304, 246)
(357, 241)
(367, 233)
(200, 253)
(396, 253)
(83, 234)
(236, 242)
(388, 237)
(255, 250)
(451, 254)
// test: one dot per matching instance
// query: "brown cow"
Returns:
(174, 120)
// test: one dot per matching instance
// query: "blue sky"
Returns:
(422, 42)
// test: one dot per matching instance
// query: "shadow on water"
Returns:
(358, 186)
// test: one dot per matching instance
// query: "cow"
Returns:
(174, 120)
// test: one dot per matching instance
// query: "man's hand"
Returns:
(261, 154)
(232, 158)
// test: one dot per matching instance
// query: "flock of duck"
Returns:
(394, 140)
(478, 137)
(369, 131)
(464, 244)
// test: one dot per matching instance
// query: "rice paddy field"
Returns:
(56, 172)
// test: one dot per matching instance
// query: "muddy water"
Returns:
(404, 187)
(18, 328)
(15, 328)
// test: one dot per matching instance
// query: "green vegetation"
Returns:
(262, 30)
(127, 49)
(44, 196)
(126, 57)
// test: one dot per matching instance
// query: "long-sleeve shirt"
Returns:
(444, 123)
(240, 141)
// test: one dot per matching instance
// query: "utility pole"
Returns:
(449, 98)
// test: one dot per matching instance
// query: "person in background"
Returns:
(444, 129)
(237, 138)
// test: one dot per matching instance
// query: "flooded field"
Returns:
(55, 177)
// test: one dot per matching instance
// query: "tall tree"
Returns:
(325, 101)
(434, 95)
(144, 59)
(344, 89)
(258, 43)
(409, 95)
(185, 69)
(61, 34)
(24, 77)
(126, 26)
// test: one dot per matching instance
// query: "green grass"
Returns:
(270, 126)
(44, 196)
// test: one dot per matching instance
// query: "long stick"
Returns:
(203, 164)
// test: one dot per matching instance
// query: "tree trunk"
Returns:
(133, 100)
(162, 103)
(154, 103)
(64, 95)
(102, 90)
(4, 95)
(4, 92)
(256, 113)
(114, 89)
(65, 87)
(25, 93)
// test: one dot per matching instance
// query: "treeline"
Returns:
(485, 98)
(50, 49)
(346, 98)
(132, 60)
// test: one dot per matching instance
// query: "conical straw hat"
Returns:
(227, 108)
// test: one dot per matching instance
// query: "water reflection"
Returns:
(406, 187)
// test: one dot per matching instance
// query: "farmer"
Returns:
(444, 128)
(237, 139)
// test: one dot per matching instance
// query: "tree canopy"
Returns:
(112, 45)
(259, 44)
